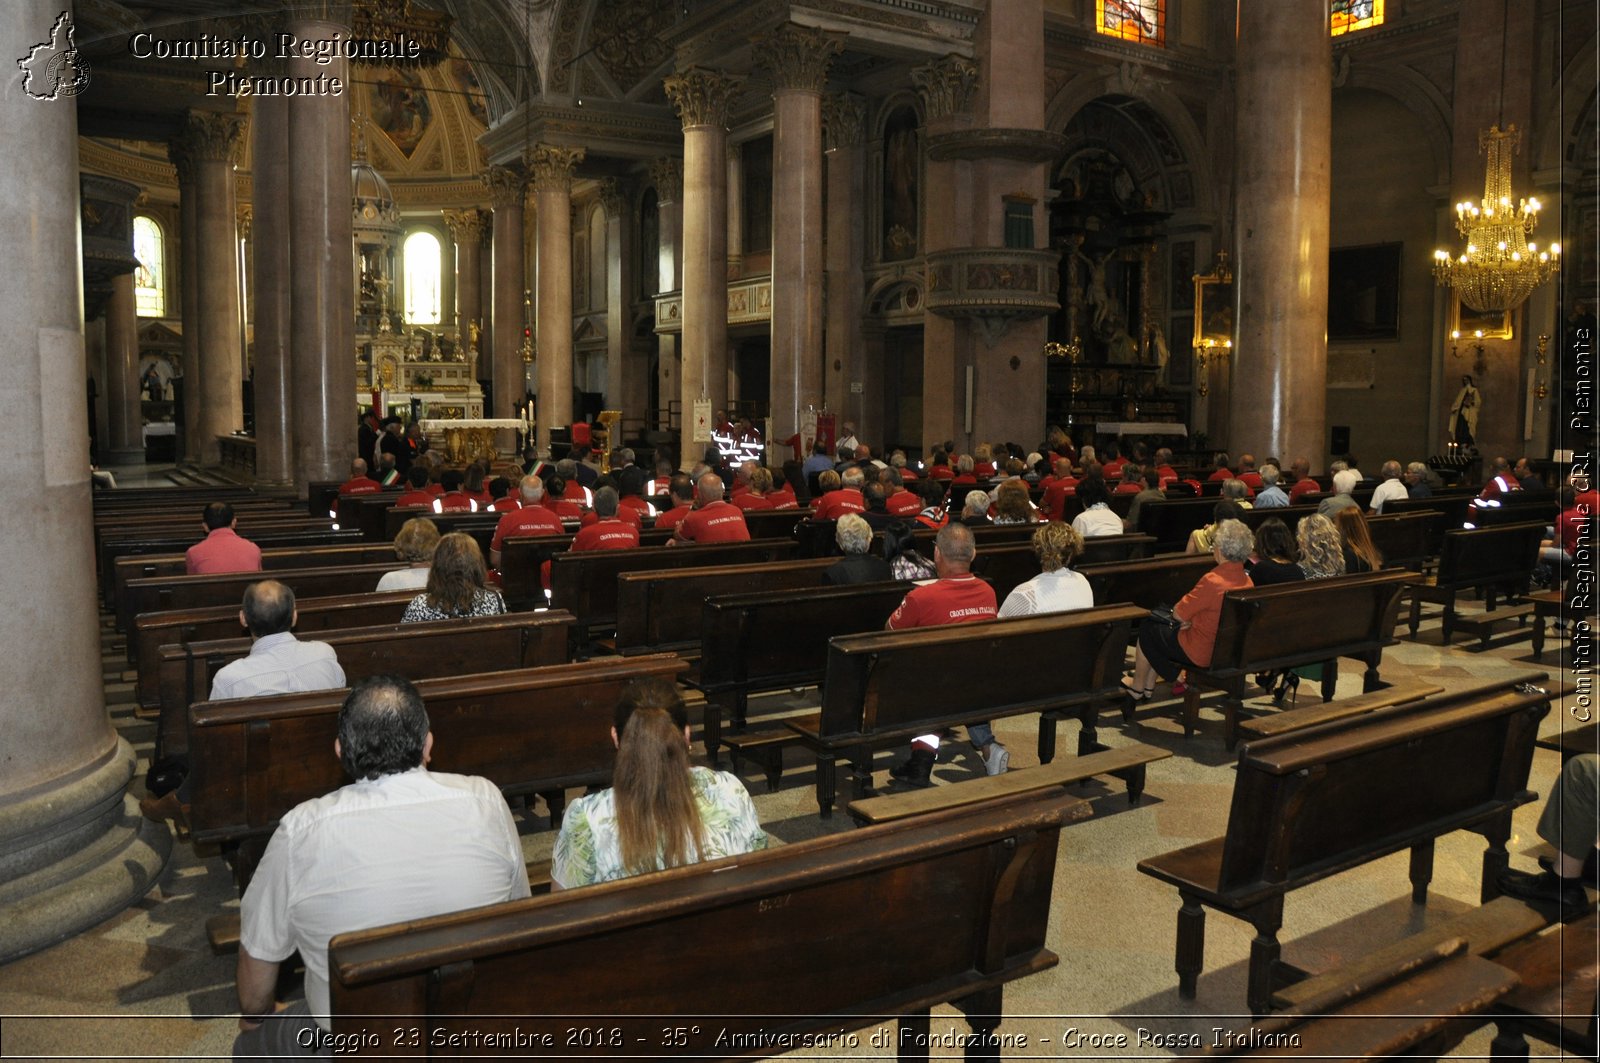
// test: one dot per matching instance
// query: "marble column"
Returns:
(269, 267)
(702, 97)
(126, 443)
(626, 386)
(466, 230)
(73, 849)
(1278, 389)
(735, 212)
(551, 169)
(667, 175)
(798, 58)
(189, 300)
(508, 187)
(211, 142)
(843, 364)
(321, 275)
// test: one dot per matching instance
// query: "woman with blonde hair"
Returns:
(415, 544)
(660, 811)
(1057, 587)
(1321, 550)
(455, 584)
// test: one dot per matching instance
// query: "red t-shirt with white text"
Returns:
(959, 600)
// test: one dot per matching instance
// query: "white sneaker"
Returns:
(996, 760)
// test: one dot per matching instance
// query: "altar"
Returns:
(467, 439)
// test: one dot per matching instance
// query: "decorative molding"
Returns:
(466, 226)
(244, 220)
(551, 166)
(749, 303)
(508, 186)
(947, 85)
(798, 56)
(211, 136)
(843, 114)
(993, 287)
(1021, 145)
(702, 95)
(614, 197)
(667, 175)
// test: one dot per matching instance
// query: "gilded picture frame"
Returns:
(1213, 306)
(1495, 325)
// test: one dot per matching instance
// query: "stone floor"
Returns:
(145, 982)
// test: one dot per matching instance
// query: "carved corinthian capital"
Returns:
(508, 186)
(702, 96)
(466, 226)
(209, 135)
(946, 85)
(798, 56)
(667, 175)
(842, 114)
(613, 197)
(552, 166)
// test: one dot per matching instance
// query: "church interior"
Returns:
(1260, 226)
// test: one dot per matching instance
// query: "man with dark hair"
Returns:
(681, 488)
(1530, 480)
(398, 843)
(877, 512)
(957, 597)
(223, 549)
(418, 494)
(454, 499)
(608, 531)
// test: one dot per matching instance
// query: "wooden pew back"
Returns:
(272, 559)
(1480, 557)
(161, 593)
(114, 549)
(658, 610)
(972, 889)
(1147, 583)
(1289, 624)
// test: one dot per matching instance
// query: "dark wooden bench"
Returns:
(1489, 559)
(534, 730)
(1278, 723)
(1559, 995)
(161, 593)
(1286, 625)
(251, 523)
(127, 569)
(153, 631)
(417, 651)
(885, 688)
(1317, 801)
(522, 558)
(113, 549)
(1147, 583)
(1403, 539)
(884, 921)
(659, 610)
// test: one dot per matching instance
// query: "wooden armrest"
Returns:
(1295, 719)
(1194, 867)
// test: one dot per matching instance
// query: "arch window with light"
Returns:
(1142, 21)
(150, 276)
(423, 263)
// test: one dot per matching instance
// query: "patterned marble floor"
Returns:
(145, 983)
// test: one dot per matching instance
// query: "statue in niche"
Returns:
(900, 170)
(1464, 413)
(1102, 304)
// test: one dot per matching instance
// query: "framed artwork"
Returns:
(1364, 292)
(1213, 305)
(1494, 325)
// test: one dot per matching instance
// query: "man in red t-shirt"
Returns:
(358, 484)
(223, 549)
(558, 505)
(454, 499)
(712, 520)
(1062, 485)
(957, 597)
(609, 531)
(847, 498)
(901, 501)
(1164, 466)
(418, 495)
(1304, 483)
(681, 488)
(530, 519)
(1248, 473)
(1221, 472)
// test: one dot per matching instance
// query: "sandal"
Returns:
(1134, 693)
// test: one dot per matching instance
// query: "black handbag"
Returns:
(1162, 614)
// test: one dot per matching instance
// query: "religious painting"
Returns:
(1489, 324)
(1143, 21)
(901, 174)
(1213, 307)
(400, 108)
(1364, 292)
(471, 90)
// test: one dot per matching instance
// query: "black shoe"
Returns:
(1591, 868)
(1567, 894)
(917, 769)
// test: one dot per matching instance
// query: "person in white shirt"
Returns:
(278, 663)
(1057, 588)
(1392, 488)
(398, 843)
(414, 545)
(1097, 518)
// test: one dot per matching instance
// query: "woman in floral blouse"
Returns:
(455, 584)
(660, 812)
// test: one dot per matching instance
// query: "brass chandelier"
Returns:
(1500, 266)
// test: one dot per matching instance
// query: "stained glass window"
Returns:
(424, 280)
(1144, 21)
(1350, 15)
(150, 277)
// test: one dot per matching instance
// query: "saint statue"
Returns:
(1464, 413)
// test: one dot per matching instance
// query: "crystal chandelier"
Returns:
(1500, 266)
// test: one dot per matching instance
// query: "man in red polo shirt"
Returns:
(609, 531)
(358, 484)
(1164, 466)
(1248, 473)
(901, 502)
(1062, 484)
(530, 519)
(454, 499)
(713, 520)
(555, 503)
(418, 495)
(223, 549)
(1304, 483)
(846, 498)
(681, 488)
(956, 597)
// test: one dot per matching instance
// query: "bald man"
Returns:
(712, 520)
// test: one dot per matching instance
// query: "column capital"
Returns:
(466, 226)
(613, 197)
(212, 136)
(842, 115)
(551, 166)
(702, 95)
(667, 175)
(798, 56)
(244, 219)
(508, 185)
(946, 85)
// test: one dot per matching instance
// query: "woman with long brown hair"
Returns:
(660, 812)
(455, 584)
(1361, 554)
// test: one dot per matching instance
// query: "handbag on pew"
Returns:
(1163, 614)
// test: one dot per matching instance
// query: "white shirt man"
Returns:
(280, 664)
(1392, 488)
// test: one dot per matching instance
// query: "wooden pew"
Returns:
(112, 550)
(1147, 583)
(585, 584)
(162, 593)
(273, 559)
(1559, 996)
(1170, 521)
(1402, 693)
(885, 688)
(659, 610)
(152, 631)
(522, 558)
(776, 640)
(1447, 511)
(1324, 799)
(126, 497)
(534, 730)
(1286, 625)
(1488, 559)
(250, 525)
(883, 921)
(417, 651)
